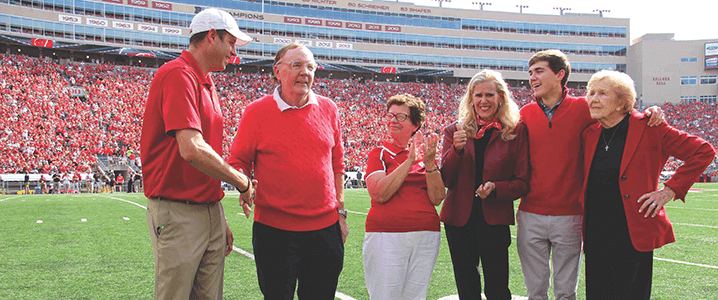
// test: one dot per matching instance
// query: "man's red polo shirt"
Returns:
(180, 98)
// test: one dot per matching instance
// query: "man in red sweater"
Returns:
(550, 217)
(291, 140)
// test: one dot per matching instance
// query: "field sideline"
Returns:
(97, 247)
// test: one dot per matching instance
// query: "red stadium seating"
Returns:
(46, 130)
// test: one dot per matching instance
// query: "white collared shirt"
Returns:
(282, 105)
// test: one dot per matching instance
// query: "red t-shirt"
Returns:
(409, 209)
(180, 98)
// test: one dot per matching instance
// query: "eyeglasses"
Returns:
(298, 65)
(401, 117)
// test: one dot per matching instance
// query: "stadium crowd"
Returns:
(45, 129)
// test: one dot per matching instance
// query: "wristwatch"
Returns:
(342, 212)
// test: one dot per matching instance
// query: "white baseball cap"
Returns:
(213, 18)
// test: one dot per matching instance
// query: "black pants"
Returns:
(478, 241)
(619, 275)
(313, 258)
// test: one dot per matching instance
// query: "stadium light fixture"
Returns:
(601, 11)
(521, 7)
(441, 1)
(481, 4)
(562, 9)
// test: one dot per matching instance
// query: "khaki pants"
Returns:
(189, 243)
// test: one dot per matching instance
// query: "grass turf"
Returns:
(109, 257)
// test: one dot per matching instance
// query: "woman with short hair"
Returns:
(402, 237)
(625, 218)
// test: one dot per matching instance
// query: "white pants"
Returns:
(541, 239)
(398, 265)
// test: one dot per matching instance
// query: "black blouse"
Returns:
(606, 225)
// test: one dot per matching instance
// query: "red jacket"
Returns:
(644, 155)
(506, 163)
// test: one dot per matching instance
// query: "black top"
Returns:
(479, 149)
(606, 226)
(477, 210)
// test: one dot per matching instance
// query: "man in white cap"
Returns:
(180, 147)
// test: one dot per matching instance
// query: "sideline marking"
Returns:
(83, 220)
(9, 198)
(705, 209)
(245, 253)
(241, 251)
(38, 221)
(696, 225)
(686, 263)
(123, 200)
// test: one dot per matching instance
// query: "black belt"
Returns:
(187, 202)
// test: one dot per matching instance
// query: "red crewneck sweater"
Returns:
(555, 152)
(294, 154)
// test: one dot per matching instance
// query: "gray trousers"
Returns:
(549, 242)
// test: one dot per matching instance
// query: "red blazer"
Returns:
(644, 155)
(506, 163)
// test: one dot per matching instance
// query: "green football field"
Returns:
(96, 246)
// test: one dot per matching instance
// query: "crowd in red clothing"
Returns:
(45, 129)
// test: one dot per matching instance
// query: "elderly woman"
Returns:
(625, 217)
(486, 167)
(402, 229)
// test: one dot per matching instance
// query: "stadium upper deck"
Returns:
(345, 35)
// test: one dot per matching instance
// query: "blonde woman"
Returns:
(485, 168)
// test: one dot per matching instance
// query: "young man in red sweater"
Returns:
(292, 141)
(550, 217)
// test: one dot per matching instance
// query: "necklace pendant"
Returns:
(606, 148)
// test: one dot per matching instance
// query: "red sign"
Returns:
(142, 3)
(235, 60)
(142, 54)
(42, 43)
(373, 27)
(392, 28)
(315, 22)
(388, 70)
(352, 25)
(294, 20)
(162, 5)
(334, 24)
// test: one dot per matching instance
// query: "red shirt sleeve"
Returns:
(180, 106)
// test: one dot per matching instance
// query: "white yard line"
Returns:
(9, 198)
(685, 263)
(692, 208)
(695, 225)
(123, 200)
